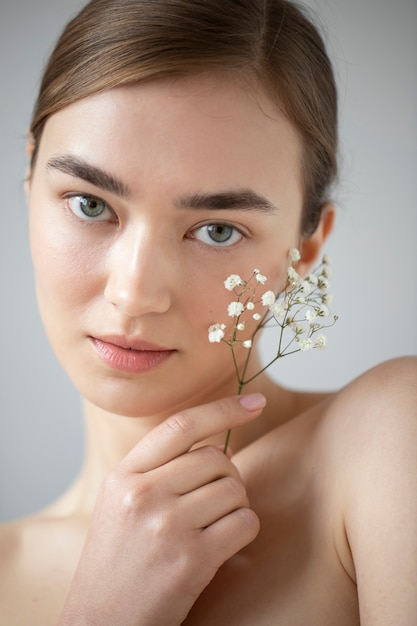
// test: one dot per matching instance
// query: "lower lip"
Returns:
(133, 361)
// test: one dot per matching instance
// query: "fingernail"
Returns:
(253, 402)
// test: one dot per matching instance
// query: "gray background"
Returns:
(374, 46)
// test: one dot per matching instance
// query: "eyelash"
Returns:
(110, 216)
(81, 215)
(218, 225)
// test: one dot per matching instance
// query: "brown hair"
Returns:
(118, 42)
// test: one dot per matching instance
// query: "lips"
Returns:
(130, 354)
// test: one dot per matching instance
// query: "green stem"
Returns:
(229, 432)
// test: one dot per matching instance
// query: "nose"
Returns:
(138, 274)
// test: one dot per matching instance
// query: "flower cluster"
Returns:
(300, 312)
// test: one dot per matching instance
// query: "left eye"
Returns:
(89, 208)
(217, 234)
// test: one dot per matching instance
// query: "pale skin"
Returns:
(311, 519)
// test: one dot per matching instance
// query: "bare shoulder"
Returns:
(395, 378)
(369, 441)
(368, 430)
(381, 403)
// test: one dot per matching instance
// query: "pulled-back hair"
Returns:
(111, 43)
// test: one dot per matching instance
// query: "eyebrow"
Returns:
(244, 199)
(74, 166)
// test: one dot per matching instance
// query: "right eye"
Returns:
(89, 208)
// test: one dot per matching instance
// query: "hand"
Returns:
(165, 520)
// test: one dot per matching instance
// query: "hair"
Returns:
(111, 43)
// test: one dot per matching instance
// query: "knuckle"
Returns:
(235, 488)
(180, 424)
(128, 494)
(211, 455)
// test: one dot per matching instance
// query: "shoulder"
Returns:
(369, 428)
(371, 451)
(380, 405)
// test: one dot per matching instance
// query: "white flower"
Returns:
(323, 283)
(305, 345)
(235, 309)
(233, 281)
(257, 316)
(321, 342)
(326, 271)
(240, 326)
(250, 306)
(293, 277)
(297, 328)
(327, 298)
(326, 260)
(312, 278)
(261, 278)
(216, 333)
(305, 287)
(294, 255)
(268, 298)
(247, 343)
(323, 311)
(310, 315)
(300, 300)
(279, 309)
(256, 271)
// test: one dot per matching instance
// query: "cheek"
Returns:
(66, 271)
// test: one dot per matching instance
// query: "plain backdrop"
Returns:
(373, 44)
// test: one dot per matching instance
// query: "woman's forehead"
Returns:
(209, 127)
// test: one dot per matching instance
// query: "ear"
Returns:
(30, 149)
(310, 247)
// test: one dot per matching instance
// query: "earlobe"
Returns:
(310, 247)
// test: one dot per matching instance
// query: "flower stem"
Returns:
(229, 432)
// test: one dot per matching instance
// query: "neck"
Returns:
(110, 437)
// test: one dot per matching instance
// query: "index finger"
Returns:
(177, 434)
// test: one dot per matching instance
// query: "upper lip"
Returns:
(131, 343)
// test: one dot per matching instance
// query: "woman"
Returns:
(174, 144)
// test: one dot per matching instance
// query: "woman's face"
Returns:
(142, 201)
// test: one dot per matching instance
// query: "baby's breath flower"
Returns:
(320, 342)
(306, 344)
(216, 333)
(310, 315)
(260, 278)
(268, 298)
(326, 271)
(297, 311)
(323, 311)
(300, 300)
(235, 309)
(323, 283)
(327, 298)
(326, 259)
(233, 281)
(280, 308)
(305, 287)
(297, 328)
(294, 255)
(293, 277)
